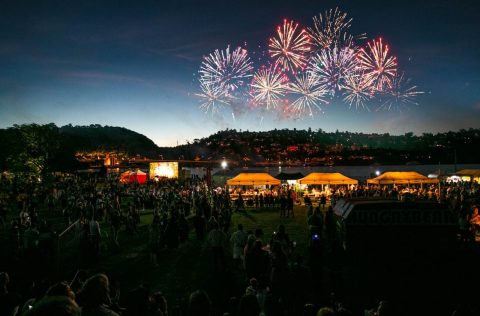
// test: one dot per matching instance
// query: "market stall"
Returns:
(401, 177)
(325, 180)
(253, 179)
(334, 178)
(137, 176)
(469, 174)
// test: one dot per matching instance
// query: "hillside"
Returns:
(109, 138)
(40, 148)
(320, 147)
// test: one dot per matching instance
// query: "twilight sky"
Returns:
(133, 64)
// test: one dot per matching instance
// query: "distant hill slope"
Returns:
(95, 137)
(246, 147)
(343, 147)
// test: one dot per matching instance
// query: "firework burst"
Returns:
(379, 67)
(330, 29)
(400, 95)
(225, 69)
(268, 87)
(357, 91)
(290, 47)
(332, 66)
(309, 95)
(323, 63)
(213, 98)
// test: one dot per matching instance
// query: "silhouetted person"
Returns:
(9, 302)
(217, 240)
(248, 306)
(199, 304)
(94, 297)
(55, 305)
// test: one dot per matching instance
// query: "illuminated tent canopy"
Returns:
(472, 173)
(133, 176)
(401, 177)
(253, 179)
(327, 178)
(125, 176)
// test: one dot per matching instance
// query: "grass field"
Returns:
(190, 267)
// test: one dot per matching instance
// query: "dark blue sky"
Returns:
(132, 64)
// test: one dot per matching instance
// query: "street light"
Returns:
(224, 166)
(377, 173)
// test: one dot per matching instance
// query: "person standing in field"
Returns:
(239, 240)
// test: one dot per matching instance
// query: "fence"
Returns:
(68, 248)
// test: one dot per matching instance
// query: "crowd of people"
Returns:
(95, 210)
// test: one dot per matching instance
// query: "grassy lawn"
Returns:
(269, 219)
(180, 271)
(190, 267)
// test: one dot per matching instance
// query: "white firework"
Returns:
(378, 65)
(330, 29)
(332, 66)
(309, 95)
(400, 95)
(268, 87)
(357, 90)
(226, 69)
(213, 98)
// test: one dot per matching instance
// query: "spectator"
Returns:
(279, 272)
(199, 304)
(94, 297)
(56, 306)
(216, 240)
(154, 242)
(257, 262)
(159, 304)
(183, 228)
(323, 201)
(239, 239)
(61, 289)
(290, 204)
(199, 223)
(30, 240)
(326, 311)
(172, 233)
(137, 302)
(9, 302)
(315, 222)
(248, 306)
(309, 310)
(94, 237)
(282, 237)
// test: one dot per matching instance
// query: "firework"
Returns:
(289, 47)
(400, 95)
(323, 62)
(213, 98)
(357, 90)
(332, 66)
(268, 86)
(379, 67)
(310, 94)
(330, 28)
(225, 69)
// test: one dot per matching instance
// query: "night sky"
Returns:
(134, 65)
